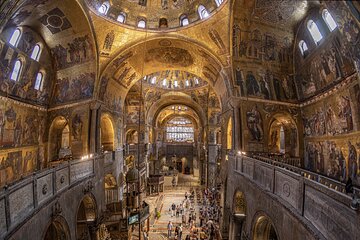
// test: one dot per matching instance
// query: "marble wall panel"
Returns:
(2, 216)
(80, 170)
(44, 188)
(330, 217)
(21, 202)
(264, 176)
(248, 167)
(287, 188)
(62, 179)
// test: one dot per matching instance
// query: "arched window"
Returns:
(330, 22)
(39, 81)
(104, 8)
(121, 18)
(164, 82)
(36, 52)
(15, 37)
(65, 137)
(153, 80)
(219, 2)
(196, 81)
(203, 13)
(282, 140)
(303, 47)
(229, 137)
(179, 129)
(184, 20)
(187, 83)
(141, 24)
(16, 71)
(314, 31)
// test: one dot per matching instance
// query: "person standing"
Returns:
(180, 232)
(177, 210)
(176, 232)
(173, 207)
(169, 228)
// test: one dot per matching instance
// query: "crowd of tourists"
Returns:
(202, 227)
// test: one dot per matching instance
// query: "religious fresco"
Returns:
(18, 125)
(261, 45)
(18, 163)
(260, 83)
(78, 51)
(69, 89)
(338, 159)
(279, 13)
(331, 117)
(322, 70)
(110, 94)
(262, 61)
(108, 43)
(332, 61)
(261, 124)
(20, 136)
(24, 87)
(172, 56)
(255, 124)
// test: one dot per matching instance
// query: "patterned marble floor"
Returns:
(176, 195)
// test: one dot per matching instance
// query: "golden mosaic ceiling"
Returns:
(153, 11)
(283, 14)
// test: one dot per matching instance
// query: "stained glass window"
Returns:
(180, 129)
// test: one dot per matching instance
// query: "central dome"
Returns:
(155, 14)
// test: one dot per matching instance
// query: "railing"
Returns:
(293, 161)
(22, 199)
(319, 199)
(156, 179)
(326, 181)
(111, 195)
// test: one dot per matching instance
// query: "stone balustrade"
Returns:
(24, 198)
(320, 200)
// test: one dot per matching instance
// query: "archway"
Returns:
(239, 214)
(132, 137)
(107, 133)
(85, 217)
(59, 139)
(111, 189)
(283, 136)
(58, 229)
(264, 229)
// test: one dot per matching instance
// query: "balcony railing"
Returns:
(23, 198)
(111, 195)
(319, 199)
(156, 179)
(326, 181)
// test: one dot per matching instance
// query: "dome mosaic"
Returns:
(155, 14)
